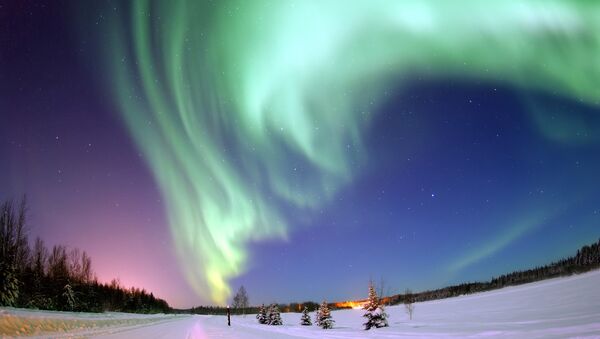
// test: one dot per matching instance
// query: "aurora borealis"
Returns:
(265, 122)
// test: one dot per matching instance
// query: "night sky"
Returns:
(301, 150)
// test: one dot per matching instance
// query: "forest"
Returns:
(59, 278)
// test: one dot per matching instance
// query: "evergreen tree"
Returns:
(274, 316)
(9, 284)
(305, 320)
(69, 297)
(325, 319)
(262, 315)
(375, 314)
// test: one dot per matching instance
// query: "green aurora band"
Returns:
(225, 99)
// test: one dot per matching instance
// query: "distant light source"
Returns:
(351, 304)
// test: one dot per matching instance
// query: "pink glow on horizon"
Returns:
(126, 240)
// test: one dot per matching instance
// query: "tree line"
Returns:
(285, 308)
(241, 305)
(586, 259)
(59, 278)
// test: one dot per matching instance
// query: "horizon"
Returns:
(191, 148)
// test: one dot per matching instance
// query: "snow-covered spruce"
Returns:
(9, 286)
(305, 319)
(69, 297)
(274, 315)
(325, 319)
(376, 316)
(262, 315)
(318, 316)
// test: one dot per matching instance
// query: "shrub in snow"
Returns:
(262, 315)
(376, 316)
(325, 319)
(274, 316)
(305, 320)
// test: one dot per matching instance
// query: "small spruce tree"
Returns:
(325, 319)
(262, 315)
(305, 320)
(69, 297)
(274, 316)
(376, 316)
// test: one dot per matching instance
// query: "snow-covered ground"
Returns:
(557, 308)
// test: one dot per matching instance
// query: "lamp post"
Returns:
(228, 316)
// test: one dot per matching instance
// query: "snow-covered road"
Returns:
(557, 308)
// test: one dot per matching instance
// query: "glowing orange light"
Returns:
(352, 304)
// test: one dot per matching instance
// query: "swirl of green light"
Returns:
(227, 99)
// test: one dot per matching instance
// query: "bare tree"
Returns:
(382, 291)
(409, 302)
(13, 233)
(14, 250)
(74, 264)
(240, 300)
(86, 268)
(80, 266)
(39, 262)
(39, 257)
(58, 267)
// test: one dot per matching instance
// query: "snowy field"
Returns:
(557, 308)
